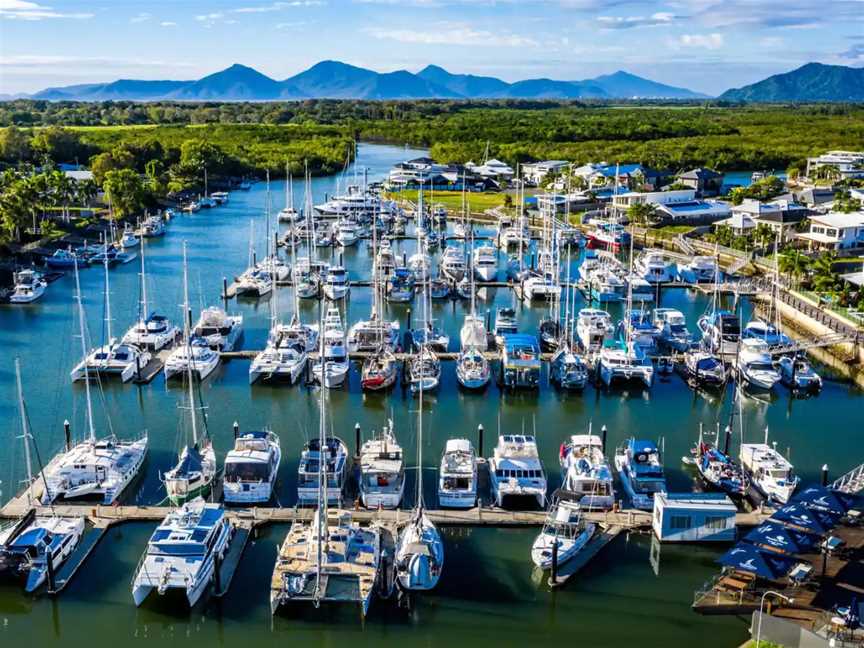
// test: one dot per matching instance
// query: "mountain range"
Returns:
(335, 80)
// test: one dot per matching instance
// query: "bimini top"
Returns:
(638, 447)
(514, 343)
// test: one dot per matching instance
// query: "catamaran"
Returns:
(331, 368)
(251, 467)
(457, 477)
(184, 552)
(152, 331)
(221, 331)
(515, 471)
(382, 471)
(93, 467)
(34, 545)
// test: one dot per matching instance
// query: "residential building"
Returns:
(535, 172)
(835, 231)
(628, 175)
(706, 182)
(495, 169)
(849, 164)
(740, 223)
(781, 214)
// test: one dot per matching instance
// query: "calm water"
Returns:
(487, 595)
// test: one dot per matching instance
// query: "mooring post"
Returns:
(728, 440)
(67, 434)
(49, 563)
(555, 560)
(217, 569)
(604, 432)
(225, 288)
(824, 474)
(480, 440)
(357, 439)
(236, 430)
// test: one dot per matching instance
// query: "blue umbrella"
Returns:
(749, 558)
(827, 499)
(780, 537)
(806, 519)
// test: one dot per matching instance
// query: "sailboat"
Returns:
(93, 467)
(327, 560)
(113, 358)
(35, 545)
(196, 466)
(420, 550)
(288, 214)
(152, 331)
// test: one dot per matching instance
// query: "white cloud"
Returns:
(167, 23)
(704, 41)
(291, 25)
(628, 22)
(452, 34)
(23, 10)
(216, 17)
(39, 60)
(141, 17)
(278, 6)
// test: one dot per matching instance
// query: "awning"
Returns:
(749, 558)
(781, 538)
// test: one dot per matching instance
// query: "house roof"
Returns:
(700, 173)
(856, 278)
(840, 220)
(738, 220)
(784, 217)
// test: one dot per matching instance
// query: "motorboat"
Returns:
(420, 265)
(537, 286)
(653, 268)
(485, 262)
(369, 335)
(520, 361)
(700, 269)
(585, 473)
(771, 474)
(640, 329)
(473, 332)
(335, 460)
(565, 533)
(251, 467)
(643, 292)
(439, 288)
(457, 477)
(704, 368)
(400, 286)
(347, 232)
(472, 369)
(382, 470)
(797, 374)
(568, 370)
(719, 470)
(623, 363)
(197, 355)
(607, 235)
(453, 263)
(153, 226)
(29, 286)
(765, 331)
(505, 324)
(221, 331)
(336, 284)
(385, 260)
(720, 332)
(605, 285)
(220, 197)
(65, 260)
(756, 366)
(331, 368)
(515, 471)
(129, 240)
(283, 359)
(424, 370)
(640, 470)
(593, 327)
(184, 552)
(379, 371)
(673, 329)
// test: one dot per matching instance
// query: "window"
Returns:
(679, 522)
(715, 522)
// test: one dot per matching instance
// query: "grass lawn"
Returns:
(452, 200)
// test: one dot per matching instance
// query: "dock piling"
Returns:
(555, 560)
(49, 563)
(357, 439)
(236, 429)
(225, 288)
(728, 441)
(67, 433)
(824, 475)
(480, 440)
(604, 432)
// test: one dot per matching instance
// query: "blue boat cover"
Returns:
(827, 499)
(191, 463)
(804, 518)
(749, 558)
(637, 446)
(782, 538)
(512, 340)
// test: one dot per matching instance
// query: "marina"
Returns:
(496, 539)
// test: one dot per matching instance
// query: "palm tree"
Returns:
(822, 272)
(794, 265)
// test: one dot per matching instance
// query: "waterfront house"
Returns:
(693, 517)
(781, 214)
(740, 223)
(706, 182)
(677, 206)
(493, 169)
(816, 197)
(848, 164)
(535, 172)
(629, 175)
(835, 231)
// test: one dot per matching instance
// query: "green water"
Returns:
(486, 596)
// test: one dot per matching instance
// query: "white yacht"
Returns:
(542, 286)
(221, 331)
(721, 331)
(457, 479)
(565, 527)
(29, 286)
(593, 327)
(288, 214)
(129, 240)
(505, 324)
(585, 473)
(369, 335)
(640, 470)
(756, 366)
(336, 283)
(254, 283)
(606, 285)
(515, 471)
(653, 268)
(184, 552)
(251, 468)
(195, 355)
(347, 232)
(473, 370)
(473, 332)
(152, 331)
(673, 329)
(453, 263)
(797, 374)
(331, 368)
(29, 543)
(486, 263)
(335, 460)
(382, 470)
(282, 359)
(621, 362)
(700, 269)
(770, 472)
(153, 226)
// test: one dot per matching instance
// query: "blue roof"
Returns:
(622, 169)
(29, 538)
(211, 516)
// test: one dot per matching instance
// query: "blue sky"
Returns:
(706, 45)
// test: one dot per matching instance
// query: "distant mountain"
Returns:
(336, 80)
(810, 82)
(622, 84)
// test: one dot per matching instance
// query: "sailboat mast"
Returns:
(322, 463)
(91, 429)
(25, 432)
(143, 284)
(189, 357)
(107, 291)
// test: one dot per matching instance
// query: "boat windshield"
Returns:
(247, 471)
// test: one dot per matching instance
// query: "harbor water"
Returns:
(488, 595)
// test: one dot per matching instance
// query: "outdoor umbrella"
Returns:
(823, 498)
(780, 537)
(806, 519)
(749, 558)
(852, 616)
